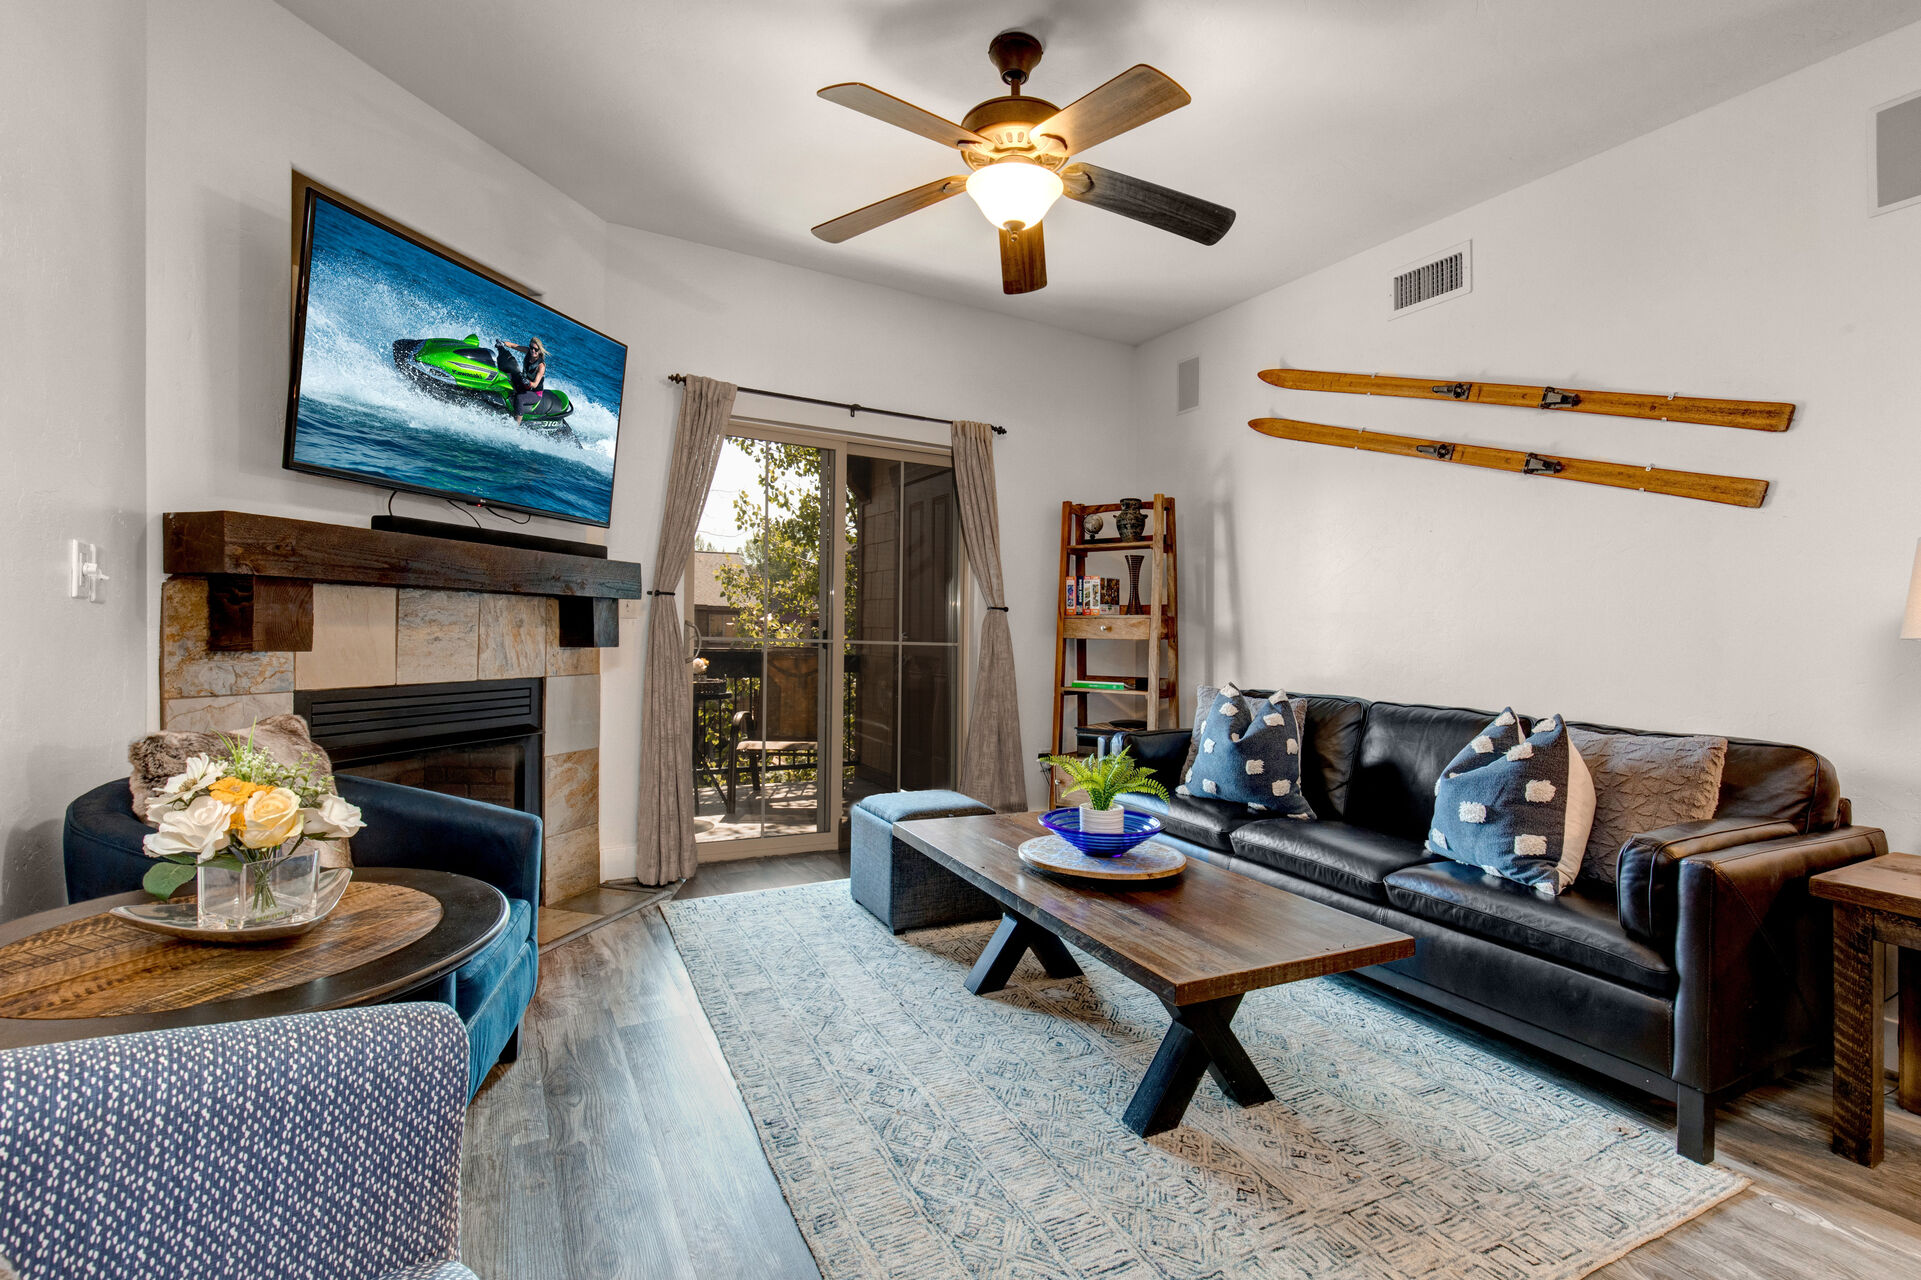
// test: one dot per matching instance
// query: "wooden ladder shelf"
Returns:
(1152, 676)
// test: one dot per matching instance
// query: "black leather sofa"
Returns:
(1705, 970)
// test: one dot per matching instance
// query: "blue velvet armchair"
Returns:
(323, 1146)
(406, 827)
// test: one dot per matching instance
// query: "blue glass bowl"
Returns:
(1136, 827)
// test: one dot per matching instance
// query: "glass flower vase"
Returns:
(275, 889)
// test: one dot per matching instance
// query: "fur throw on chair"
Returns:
(160, 756)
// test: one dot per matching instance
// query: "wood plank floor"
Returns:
(618, 1146)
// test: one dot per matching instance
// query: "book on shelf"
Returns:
(1100, 686)
(1092, 597)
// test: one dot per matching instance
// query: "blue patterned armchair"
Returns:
(323, 1146)
(406, 827)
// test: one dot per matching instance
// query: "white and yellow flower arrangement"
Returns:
(241, 813)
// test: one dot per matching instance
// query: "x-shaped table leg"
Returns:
(1199, 1040)
(1014, 939)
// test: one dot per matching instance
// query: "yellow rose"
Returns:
(233, 791)
(270, 817)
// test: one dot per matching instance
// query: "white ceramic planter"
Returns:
(1105, 821)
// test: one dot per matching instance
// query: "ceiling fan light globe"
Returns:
(1014, 193)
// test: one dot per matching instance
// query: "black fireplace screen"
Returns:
(475, 738)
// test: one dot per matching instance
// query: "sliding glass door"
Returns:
(903, 633)
(827, 588)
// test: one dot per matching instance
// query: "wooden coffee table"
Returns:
(398, 933)
(1199, 942)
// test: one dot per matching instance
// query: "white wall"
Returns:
(71, 673)
(685, 308)
(1727, 255)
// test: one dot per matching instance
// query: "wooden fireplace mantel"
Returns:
(261, 570)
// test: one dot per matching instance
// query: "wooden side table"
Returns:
(1878, 900)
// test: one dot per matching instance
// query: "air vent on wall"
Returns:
(1423, 283)
(1894, 148)
(1187, 385)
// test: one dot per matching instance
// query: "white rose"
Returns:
(198, 775)
(199, 829)
(333, 819)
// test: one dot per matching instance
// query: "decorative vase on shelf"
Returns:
(278, 889)
(1131, 523)
(1091, 526)
(1106, 821)
(1134, 605)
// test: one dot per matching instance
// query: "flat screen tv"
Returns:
(413, 371)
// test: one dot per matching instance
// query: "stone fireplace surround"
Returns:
(367, 636)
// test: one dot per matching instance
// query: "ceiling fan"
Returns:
(1017, 149)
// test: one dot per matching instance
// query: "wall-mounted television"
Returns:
(414, 370)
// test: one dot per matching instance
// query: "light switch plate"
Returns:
(84, 575)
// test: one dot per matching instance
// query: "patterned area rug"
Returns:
(918, 1131)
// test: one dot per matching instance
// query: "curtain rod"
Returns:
(852, 409)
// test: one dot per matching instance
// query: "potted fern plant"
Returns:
(1103, 780)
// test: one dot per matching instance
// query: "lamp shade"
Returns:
(1014, 193)
(1911, 620)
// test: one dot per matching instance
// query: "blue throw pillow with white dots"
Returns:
(1516, 807)
(1247, 750)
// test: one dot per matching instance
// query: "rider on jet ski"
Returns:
(528, 381)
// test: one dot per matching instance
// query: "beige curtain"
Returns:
(992, 770)
(667, 708)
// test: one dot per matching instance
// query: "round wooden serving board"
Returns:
(103, 967)
(1151, 860)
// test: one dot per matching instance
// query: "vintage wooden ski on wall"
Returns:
(1734, 490)
(1754, 415)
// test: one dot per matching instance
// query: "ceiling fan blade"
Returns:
(869, 101)
(1023, 260)
(867, 217)
(1148, 202)
(1129, 100)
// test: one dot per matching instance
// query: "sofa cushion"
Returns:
(1578, 928)
(1516, 805)
(1207, 823)
(494, 1019)
(1402, 751)
(480, 975)
(1352, 859)
(1333, 727)
(1248, 750)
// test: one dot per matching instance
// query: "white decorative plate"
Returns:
(182, 919)
(1150, 860)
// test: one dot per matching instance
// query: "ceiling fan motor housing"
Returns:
(1008, 123)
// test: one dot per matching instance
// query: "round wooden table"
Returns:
(404, 932)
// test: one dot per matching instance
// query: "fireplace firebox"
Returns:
(474, 738)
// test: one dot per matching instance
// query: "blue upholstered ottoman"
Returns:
(903, 887)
